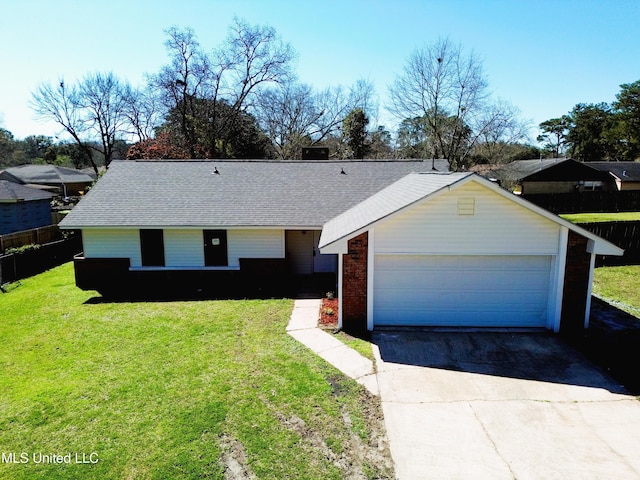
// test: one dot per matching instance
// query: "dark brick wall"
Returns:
(354, 284)
(576, 280)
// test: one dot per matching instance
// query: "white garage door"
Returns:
(478, 291)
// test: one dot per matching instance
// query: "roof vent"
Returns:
(466, 206)
(215, 171)
(342, 172)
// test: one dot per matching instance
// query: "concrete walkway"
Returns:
(488, 405)
(303, 326)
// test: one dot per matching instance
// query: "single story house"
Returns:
(23, 208)
(408, 246)
(549, 175)
(188, 223)
(61, 180)
(626, 175)
(457, 250)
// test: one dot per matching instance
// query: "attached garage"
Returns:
(461, 291)
(456, 250)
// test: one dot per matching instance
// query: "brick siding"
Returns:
(576, 280)
(354, 284)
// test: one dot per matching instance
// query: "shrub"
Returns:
(22, 249)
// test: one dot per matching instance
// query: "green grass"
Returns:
(619, 286)
(173, 390)
(360, 345)
(601, 217)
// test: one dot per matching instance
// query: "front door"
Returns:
(299, 244)
(304, 255)
(215, 248)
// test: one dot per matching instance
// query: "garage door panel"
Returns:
(461, 290)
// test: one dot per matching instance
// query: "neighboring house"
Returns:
(455, 249)
(23, 208)
(554, 175)
(407, 248)
(62, 180)
(625, 174)
(178, 223)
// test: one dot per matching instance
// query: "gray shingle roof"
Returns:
(403, 193)
(624, 171)
(11, 192)
(516, 170)
(243, 194)
(47, 174)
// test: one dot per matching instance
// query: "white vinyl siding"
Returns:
(496, 227)
(254, 244)
(478, 291)
(112, 243)
(183, 248)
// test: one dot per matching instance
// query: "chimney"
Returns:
(315, 153)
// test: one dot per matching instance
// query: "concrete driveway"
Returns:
(486, 405)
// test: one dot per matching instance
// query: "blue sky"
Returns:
(542, 56)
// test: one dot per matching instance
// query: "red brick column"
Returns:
(576, 282)
(354, 284)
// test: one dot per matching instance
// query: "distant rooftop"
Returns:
(11, 192)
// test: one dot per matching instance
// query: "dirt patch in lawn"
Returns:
(234, 460)
(362, 455)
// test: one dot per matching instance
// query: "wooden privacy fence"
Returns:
(625, 235)
(38, 236)
(579, 202)
(16, 266)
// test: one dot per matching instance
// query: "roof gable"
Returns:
(396, 197)
(565, 171)
(423, 187)
(542, 170)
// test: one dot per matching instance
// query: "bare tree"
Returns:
(103, 99)
(60, 104)
(287, 115)
(448, 89)
(143, 111)
(179, 84)
(209, 94)
(503, 128)
(295, 116)
(254, 56)
(92, 112)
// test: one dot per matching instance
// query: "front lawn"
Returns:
(208, 389)
(619, 286)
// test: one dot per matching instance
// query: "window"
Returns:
(152, 248)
